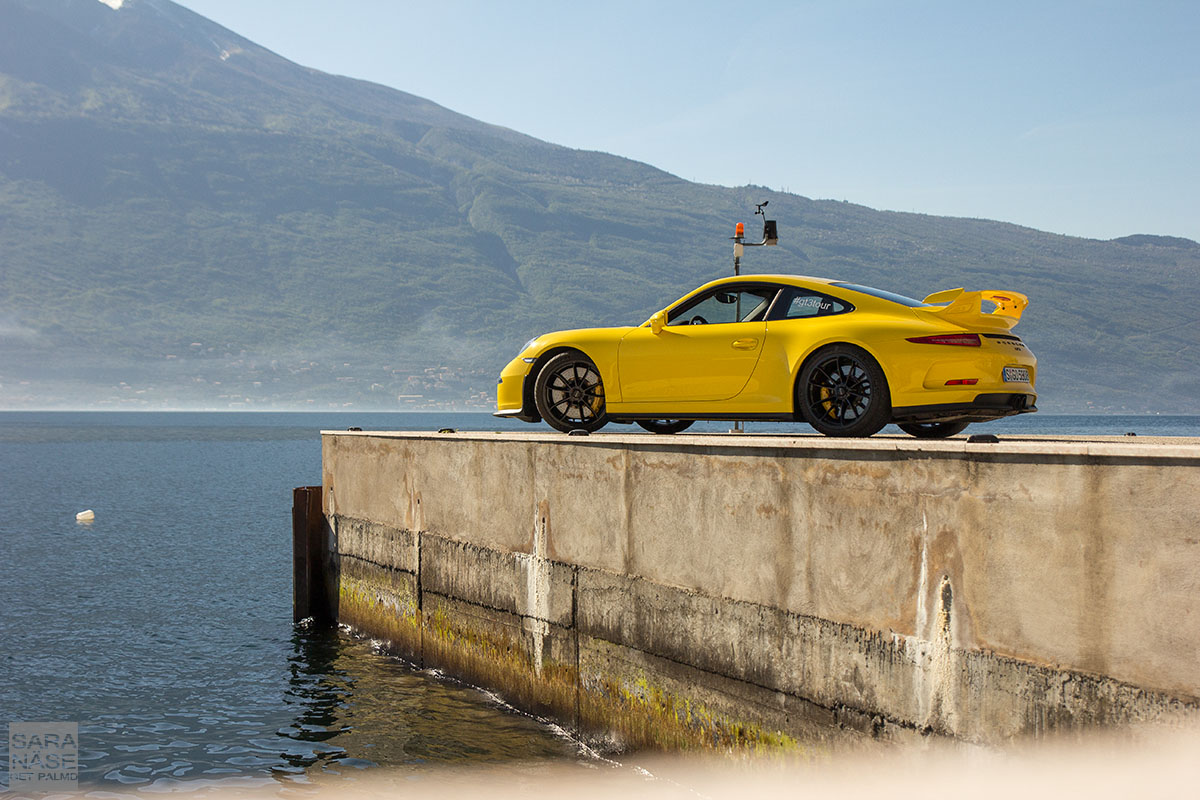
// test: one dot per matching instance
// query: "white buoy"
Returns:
(85, 516)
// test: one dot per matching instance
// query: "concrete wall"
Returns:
(737, 589)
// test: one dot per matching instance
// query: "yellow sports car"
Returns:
(846, 359)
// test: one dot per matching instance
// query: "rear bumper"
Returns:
(983, 408)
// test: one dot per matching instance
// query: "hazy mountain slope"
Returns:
(179, 206)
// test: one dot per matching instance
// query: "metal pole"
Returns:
(737, 270)
(310, 559)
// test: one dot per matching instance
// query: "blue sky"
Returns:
(1073, 117)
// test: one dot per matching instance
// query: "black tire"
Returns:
(569, 393)
(665, 425)
(933, 430)
(842, 391)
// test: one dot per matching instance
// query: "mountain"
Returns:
(189, 219)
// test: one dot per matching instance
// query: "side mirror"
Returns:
(657, 322)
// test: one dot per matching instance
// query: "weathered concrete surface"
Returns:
(715, 589)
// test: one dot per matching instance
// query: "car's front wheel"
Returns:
(933, 430)
(569, 393)
(665, 425)
(842, 391)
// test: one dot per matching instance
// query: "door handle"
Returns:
(744, 344)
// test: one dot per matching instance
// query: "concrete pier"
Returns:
(716, 590)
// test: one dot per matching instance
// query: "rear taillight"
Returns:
(963, 382)
(959, 339)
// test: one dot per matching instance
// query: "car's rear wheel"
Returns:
(665, 425)
(842, 391)
(569, 393)
(933, 430)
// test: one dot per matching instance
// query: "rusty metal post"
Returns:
(299, 553)
(310, 596)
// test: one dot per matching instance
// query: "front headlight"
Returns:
(526, 346)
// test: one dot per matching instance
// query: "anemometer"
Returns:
(770, 236)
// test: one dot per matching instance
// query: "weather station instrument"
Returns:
(770, 237)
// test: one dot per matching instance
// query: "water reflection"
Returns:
(355, 708)
(346, 707)
(317, 690)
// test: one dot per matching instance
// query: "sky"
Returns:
(1080, 117)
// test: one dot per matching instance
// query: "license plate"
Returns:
(1016, 375)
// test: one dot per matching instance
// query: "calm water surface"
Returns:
(164, 627)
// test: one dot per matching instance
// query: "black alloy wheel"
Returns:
(569, 393)
(933, 430)
(665, 425)
(842, 392)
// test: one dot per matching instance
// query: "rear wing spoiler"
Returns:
(964, 308)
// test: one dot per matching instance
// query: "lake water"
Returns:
(164, 627)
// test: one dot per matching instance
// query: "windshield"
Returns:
(882, 295)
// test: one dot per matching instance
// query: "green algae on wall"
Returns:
(500, 650)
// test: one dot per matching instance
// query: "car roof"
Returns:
(857, 298)
(794, 280)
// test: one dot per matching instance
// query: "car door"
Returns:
(705, 352)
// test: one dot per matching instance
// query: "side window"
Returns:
(724, 305)
(802, 303)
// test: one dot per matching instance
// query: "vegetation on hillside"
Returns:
(189, 216)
